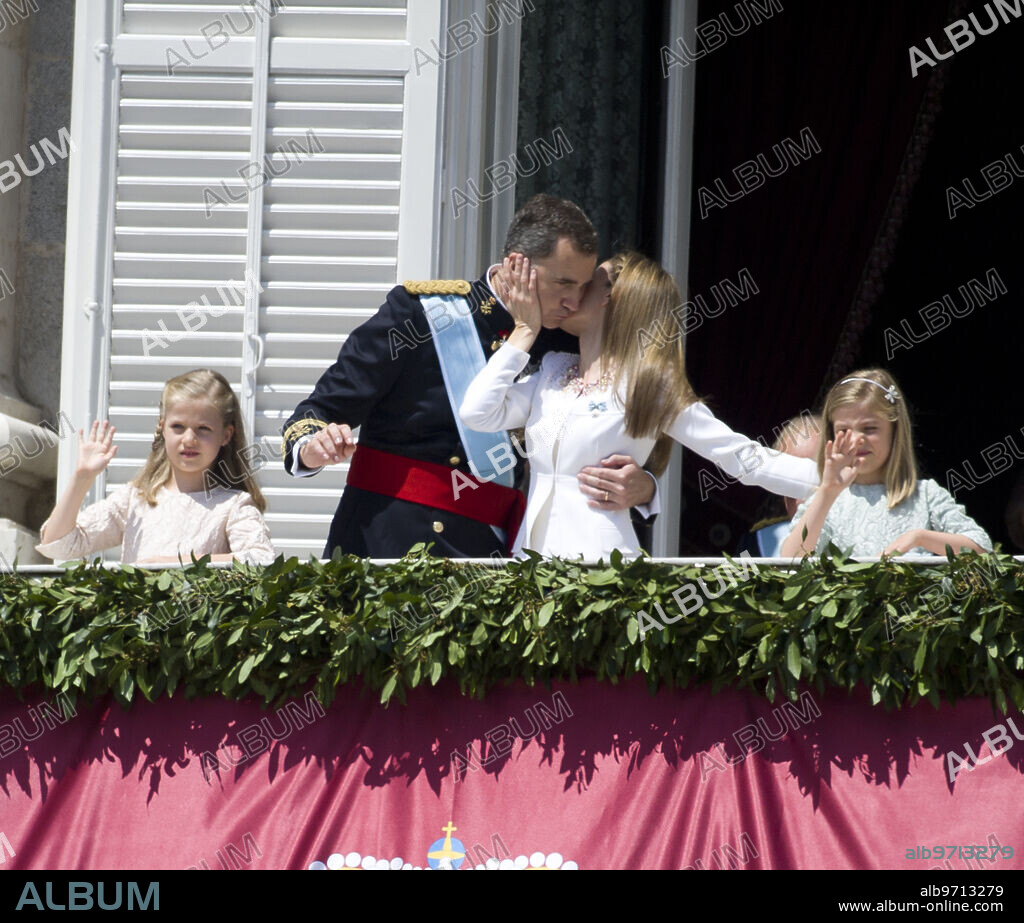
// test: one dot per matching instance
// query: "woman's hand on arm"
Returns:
(94, 454)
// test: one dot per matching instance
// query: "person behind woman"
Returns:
(870, 501)
(798, 436)
(626, 388)
(184, 501)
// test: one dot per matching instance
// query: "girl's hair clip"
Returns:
(890, 393)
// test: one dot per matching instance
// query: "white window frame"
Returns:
(88, 284)
(478, 128)
(88, 264)
(675, 238)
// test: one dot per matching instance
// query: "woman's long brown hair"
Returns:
(642, 341)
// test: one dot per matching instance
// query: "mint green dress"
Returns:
(862, 525)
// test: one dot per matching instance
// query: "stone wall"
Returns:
(36, 43)
(44, 200)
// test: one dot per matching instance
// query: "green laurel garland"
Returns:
(905, 633)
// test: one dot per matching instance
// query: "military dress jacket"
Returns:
(387, 380)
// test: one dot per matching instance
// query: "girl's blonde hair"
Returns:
(230, 469)
(644, 297)
(901, 466)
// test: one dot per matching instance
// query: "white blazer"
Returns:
(566, 431)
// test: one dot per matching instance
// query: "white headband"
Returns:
(890, 393)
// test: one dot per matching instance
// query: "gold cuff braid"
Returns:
(438, 287)
(299, 429)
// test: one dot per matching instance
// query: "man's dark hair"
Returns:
(542, 220)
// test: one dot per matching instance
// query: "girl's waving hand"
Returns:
(96, 452)
(841, 461)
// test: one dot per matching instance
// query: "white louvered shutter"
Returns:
(320, 97)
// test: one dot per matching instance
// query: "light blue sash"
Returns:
(462, 357)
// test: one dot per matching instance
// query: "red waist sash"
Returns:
(431, 485)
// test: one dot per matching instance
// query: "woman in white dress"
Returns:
(626, 388)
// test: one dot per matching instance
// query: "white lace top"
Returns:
(220, 521)
(861, 523)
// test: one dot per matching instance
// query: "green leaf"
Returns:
(140, 680)
(125, 687)
(247, 666)
(546, 611)
(793, 658)
(922, 651)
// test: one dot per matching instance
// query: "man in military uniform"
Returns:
(388, 380)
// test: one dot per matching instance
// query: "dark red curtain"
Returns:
(813, 237)
(589, 775)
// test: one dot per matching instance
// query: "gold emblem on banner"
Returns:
(450, 854)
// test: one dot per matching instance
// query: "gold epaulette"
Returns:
(299, 429)
(438, 287)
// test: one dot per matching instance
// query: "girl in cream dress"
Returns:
(624, 390)
(184, 502)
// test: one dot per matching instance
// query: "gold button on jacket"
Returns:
(454, 460)
(438, 526)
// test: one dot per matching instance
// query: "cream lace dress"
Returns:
(219, 521)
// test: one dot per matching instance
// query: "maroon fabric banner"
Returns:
(589, 776)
